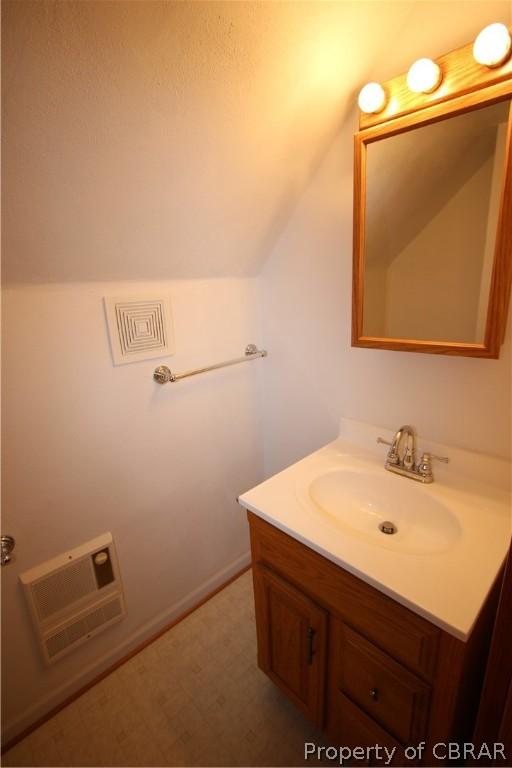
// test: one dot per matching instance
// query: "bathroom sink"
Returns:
(360, 502)
(451, 538)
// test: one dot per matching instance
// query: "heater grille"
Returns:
(74, 596)
(57, 643)
(82, 629)
(112, 610)
(55, 592)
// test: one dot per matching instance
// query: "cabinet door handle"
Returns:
(374, 693)
(310, 635)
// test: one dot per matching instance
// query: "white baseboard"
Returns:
(103, 663)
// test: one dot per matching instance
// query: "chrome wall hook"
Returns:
(7, 545)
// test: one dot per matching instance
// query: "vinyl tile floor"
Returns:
(194, 697)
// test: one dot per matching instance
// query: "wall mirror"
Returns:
(432, 236)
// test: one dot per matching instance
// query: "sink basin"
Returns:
(358, 502)
(453, 532)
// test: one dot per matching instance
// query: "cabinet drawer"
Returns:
(390, 694)
(351, 727)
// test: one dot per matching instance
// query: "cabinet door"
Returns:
(292, 632)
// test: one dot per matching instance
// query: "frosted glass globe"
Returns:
(372, 98)
(424, 76)
(492, 46)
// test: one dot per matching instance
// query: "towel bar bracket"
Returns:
(163, 374)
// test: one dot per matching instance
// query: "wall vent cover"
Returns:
(139, 328)
(74, 596)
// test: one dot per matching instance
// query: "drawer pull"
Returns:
(374, 693)
(310, 635)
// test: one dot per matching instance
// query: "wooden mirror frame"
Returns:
(466, 85)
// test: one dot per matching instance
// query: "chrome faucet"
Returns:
(407, 434)
(403, 462)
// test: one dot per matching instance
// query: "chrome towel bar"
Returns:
(164, 375)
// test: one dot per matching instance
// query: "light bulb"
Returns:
(424, 76)
(492, 46)
(372, 98)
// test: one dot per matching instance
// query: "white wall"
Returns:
(167, 139)
(315, 376)
(90, 447)
(130, 154)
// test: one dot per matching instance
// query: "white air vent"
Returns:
(139, 328)
(74, 596)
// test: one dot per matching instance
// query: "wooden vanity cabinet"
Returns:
(357, 663)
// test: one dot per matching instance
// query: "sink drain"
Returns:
(387, 527)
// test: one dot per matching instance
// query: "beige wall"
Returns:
(375, 298)
(124, 168)
(433, 285)
(89, 447)
(492, 224)
(167, 139)
(314, 375)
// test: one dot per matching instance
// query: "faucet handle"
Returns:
(424, 467)
(393, 457)
(427, 456)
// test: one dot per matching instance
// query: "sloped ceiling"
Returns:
(159, 140)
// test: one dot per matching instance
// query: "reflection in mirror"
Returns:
(432, 205)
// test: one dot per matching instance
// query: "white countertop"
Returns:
(447, 587)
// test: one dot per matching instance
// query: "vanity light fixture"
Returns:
(492, 46)
(372, 98)
(424, 76)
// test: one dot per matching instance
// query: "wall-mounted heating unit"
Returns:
(74, 596)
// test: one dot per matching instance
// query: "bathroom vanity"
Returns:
(355, 661)
(376, 639)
